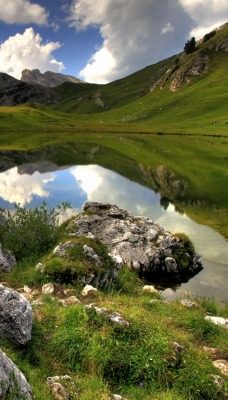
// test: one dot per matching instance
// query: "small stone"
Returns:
(28, 296)
(218, 321)
(48, 288)
(69, 301)
(189, 304)
(179, 350)
(88, 290)
(118, 319)
(168, 295)
(149, 289)
(37, 303)
(35, 292)
(219, 381)
(211, 350)
(62, 387)
(222, 365)
(101, 310)
(40, 267)
(89, 306)
(27, 289)
(61, 249)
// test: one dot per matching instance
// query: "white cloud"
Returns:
(130, 29)
(168, 28)
(136, 33)
(102, 185)
(16, 188)
(27, 51)
(206, 15)
(97, 66)
(22, 12)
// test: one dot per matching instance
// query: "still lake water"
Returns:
(78, 184)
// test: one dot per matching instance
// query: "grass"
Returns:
(137, 361)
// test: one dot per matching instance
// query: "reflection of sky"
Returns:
(16, 188)
(93, 183)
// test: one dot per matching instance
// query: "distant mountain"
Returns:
(7, 81)
(48, 79)
(14, 92)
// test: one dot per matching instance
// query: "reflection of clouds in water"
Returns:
(206, 241)
(103, 185)
(16, 188)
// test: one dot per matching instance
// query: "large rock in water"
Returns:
(13, 384)
(15, 316)
(144, 246)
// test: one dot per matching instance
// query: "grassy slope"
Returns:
(138, 361)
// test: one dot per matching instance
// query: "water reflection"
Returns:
(80, 183)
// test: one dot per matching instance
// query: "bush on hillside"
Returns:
(208, 36)
(30, 232)
(190, 46)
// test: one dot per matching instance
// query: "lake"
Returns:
(32, 183)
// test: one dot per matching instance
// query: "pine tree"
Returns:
(190, 46)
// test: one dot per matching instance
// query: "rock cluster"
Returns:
(141, 244)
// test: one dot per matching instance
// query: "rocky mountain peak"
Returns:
(48, 79)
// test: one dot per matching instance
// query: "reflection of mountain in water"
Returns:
(49, 159)
(173, 188)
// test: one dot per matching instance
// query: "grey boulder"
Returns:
(13, 384)
(7, 260)
(15, 316)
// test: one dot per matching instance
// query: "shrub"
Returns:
(208, 36)
(30, 231)
(183, 254)
(190, 46)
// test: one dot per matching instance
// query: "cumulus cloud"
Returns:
(27, 51)
(139, 33)
(22, 12)
(130, 30)
(16, 188)
(102, 185)
(207, 15)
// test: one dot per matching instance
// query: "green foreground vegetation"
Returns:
(138, 361)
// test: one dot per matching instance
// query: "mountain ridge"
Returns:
(48, 79)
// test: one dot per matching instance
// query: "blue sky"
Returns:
(102, 40)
